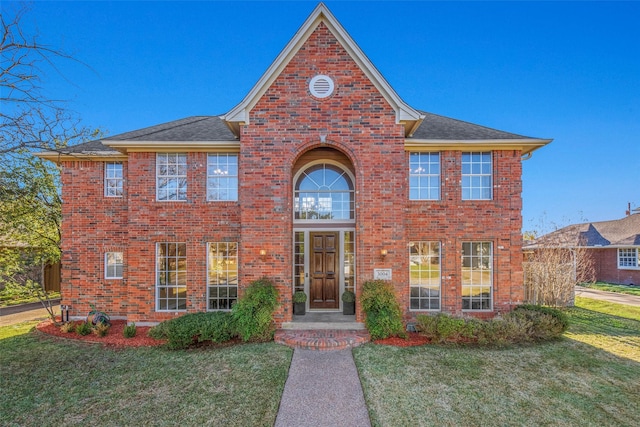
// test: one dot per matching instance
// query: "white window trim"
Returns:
(438, 175)
(171, 176)
(157, 286)
(106, 265)
(624, 267)
(462, 175)
(107, 179)
(434, 310)
(237, 275)
(237, 177)
(491, 286)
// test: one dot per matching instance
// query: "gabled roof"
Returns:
(321, 14)
(616, 233)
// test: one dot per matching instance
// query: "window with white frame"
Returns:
(113, 265)
(324, 192)
(628, 258)
(222, 176)
(222, 275)
(477, 275)
(424, 275)
(424, 176)
(476, 176)
(113, 179)
(171, 276)
(171, 176)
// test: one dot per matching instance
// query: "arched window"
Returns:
(324, 192)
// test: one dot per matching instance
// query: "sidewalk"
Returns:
(26, 316)
(608, 296)
(323, 389)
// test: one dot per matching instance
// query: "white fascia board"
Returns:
(57, 157)
(127, 146)
(240, 113)
(525, 145)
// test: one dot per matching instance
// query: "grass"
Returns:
(589, 378)
(10, 300)
(611, 287)
(53, 382)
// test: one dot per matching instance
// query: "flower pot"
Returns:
(299, 308)
(349, 308)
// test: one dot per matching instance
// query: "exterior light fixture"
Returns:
(383, 252)
(263, 253)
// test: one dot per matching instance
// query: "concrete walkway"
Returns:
(323, 389)
(25, 316)
(608, 296)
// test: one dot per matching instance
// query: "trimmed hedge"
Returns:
(253, 313)
(525, 324)
(383, 314)
(193, 328)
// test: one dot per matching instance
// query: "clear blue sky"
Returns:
(568, 71)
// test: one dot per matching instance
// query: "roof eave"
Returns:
(59, 157)
(526, 146)
(172, 146)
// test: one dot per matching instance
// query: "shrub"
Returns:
(299, 297)
(83, 328)
(129, 330)
(253, 313)
(68, 327)
(191, 328)
(528, 323)
(101, 329)
(383, 315)
(348, 296)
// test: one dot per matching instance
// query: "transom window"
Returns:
(113, 179)
(476, 176)
(424, 176)
(477, 275)
(222, 177)
(171, 176)
(424, 273)
(171, 276)
(628, 258)
(324, 192)
(222, 275)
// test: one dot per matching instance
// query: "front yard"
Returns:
(590, 377)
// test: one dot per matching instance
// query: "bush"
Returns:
(101, 329)
(299, 297)
(253, 313)
(192, 328)
(525, 324)
(383, 315)
(83, 328)
(129, 330)
(68, 327)
(348, 296)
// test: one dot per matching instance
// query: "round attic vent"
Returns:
(321, 86)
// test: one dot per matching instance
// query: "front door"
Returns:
(325, 283)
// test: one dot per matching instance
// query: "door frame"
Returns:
(341, 260)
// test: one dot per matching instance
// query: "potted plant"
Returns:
(348, 303)
(299, 302)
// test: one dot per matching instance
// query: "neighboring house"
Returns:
(320, 179)
(613, 247)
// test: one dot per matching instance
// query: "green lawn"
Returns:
(589, 378)
(46, 382)
(610, 287)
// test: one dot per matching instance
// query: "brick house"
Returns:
(320, 179)
(612, 246)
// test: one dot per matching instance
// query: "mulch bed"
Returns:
(413, 339)
(114, 338)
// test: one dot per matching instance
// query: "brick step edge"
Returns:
(322, 340)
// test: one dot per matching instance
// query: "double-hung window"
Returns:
(113, 179)
(477, 176)
(424, 176)
(171, 276)
(424, 275)
(113, 265)
(171, 176)
(477, 275)
(628, 258)
(222, 177)
(222, 275)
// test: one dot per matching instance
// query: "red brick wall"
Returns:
(606, 266)
(285, 125)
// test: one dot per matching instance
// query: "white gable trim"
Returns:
(404, 113)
